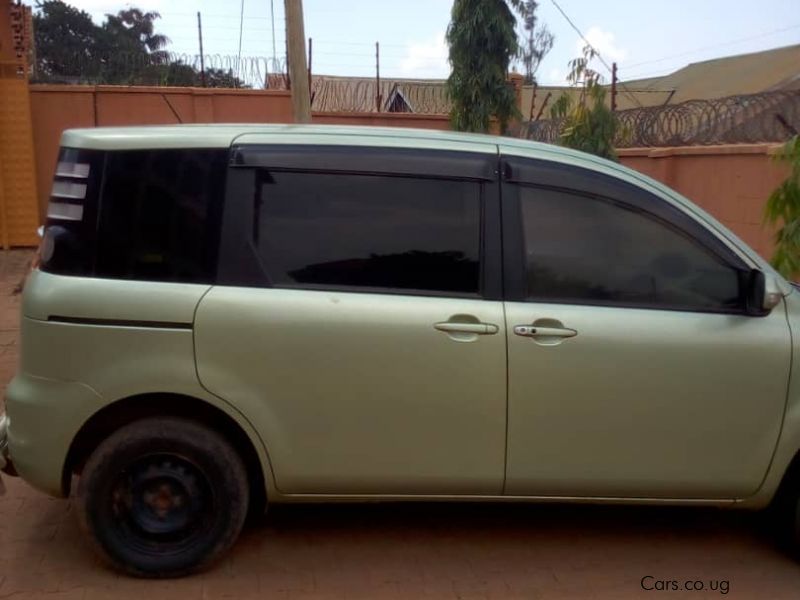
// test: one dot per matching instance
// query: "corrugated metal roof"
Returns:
(360, 94)
(776, 69)
(770, 70)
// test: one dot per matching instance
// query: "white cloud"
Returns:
(426, 59)
(604, 42)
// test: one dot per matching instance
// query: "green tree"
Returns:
(65, 37)
(124, 49)
(783, 209)
(537, 41)
(589, 124)
(482, 41)
(133, 53)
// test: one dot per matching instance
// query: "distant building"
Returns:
(777, 69)
(770, 70)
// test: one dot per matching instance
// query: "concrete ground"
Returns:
(404, 551)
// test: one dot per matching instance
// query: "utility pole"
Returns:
(274, 49)
(298, 70)
(202, 60)
(613, 87)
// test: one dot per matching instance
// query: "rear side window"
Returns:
(587, 250)
(152, 215)
(367, 232)
(160, 215)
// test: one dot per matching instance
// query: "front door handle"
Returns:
(473, 328)
(544, 332)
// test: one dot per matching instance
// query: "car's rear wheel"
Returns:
(163, 497)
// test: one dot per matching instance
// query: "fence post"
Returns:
(378, 95)
(310, 50)
(613, 87)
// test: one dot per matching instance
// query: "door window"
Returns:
(368, 232)
(583, 249)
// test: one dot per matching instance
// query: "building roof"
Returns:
(770, 70)
(766, 71)
(331, 93)
(360, 94)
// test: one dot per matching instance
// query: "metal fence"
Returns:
(753, 118)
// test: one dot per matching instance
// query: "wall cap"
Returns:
(149, 89)
(765, 148)
(383, 115)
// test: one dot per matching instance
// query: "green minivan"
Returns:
(226, 316)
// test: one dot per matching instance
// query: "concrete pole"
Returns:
(298, 70)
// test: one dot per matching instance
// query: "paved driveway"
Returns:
(404, 551)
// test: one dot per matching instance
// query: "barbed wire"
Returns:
(151, 69)
(743, 119)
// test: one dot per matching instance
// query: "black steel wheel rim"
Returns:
(162, 503)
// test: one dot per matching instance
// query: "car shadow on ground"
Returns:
(472, 518)
(443, 550)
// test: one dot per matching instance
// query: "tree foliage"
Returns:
(125, 49)
(63, 36)
(537, 41)
(482, 40)
(783, 208)
(589, 124)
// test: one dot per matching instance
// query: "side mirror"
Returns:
(757, 301)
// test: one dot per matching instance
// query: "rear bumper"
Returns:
(44, 416)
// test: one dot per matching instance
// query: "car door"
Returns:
(633, 368)
(358, 321)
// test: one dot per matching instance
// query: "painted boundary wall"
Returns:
(731, 182)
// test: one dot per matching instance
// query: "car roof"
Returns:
(223, 135)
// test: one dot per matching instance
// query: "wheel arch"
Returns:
(133, 408)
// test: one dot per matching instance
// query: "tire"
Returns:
(783, 515)
(163, 497)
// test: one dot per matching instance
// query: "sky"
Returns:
(645, 37)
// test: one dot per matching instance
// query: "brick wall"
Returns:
(730, 182)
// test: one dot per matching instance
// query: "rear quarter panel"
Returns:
(69, 371)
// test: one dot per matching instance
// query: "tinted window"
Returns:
(322, 230)
(583, 249)
(160, 215)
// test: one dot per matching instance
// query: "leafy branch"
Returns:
(783, 207)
